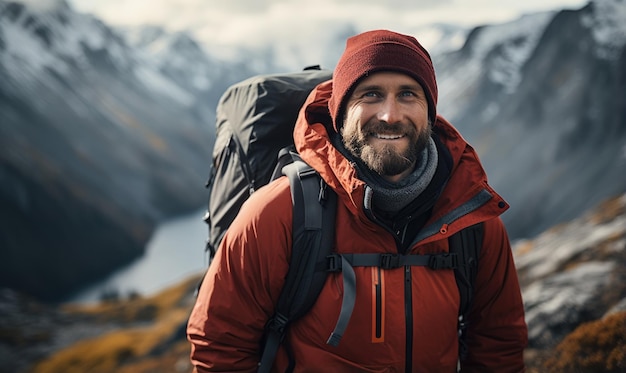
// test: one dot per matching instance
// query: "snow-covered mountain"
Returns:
(543, 100)
(98, 143)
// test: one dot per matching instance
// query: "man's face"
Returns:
(386, 123)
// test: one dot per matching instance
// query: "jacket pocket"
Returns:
(378, 305)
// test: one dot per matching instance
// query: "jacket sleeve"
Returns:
(497, 334)
(242, 285)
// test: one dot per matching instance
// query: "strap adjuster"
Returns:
(278, 323)
(444, 261)
(389, 261)
(333, 263)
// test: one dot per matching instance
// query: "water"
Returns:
(175, 252)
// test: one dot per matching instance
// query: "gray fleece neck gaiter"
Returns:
(392, 197)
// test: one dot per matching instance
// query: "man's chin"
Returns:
(395, 147)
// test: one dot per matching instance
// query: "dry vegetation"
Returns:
(149, 337)
(594, 347)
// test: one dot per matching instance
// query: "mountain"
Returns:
(99, 141)
(543, 100)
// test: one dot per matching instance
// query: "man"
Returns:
(405, 180)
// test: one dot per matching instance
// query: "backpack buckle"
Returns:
(444, 261)
(389, 261)
(333, 263)
(278, 323)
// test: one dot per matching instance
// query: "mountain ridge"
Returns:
(559, 134)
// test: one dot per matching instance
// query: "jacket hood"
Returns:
(312, 138)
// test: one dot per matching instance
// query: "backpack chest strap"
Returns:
(344, 263)
(391, 261)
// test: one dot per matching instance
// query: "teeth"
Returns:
(387, 137)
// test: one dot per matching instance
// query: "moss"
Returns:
(594, 347)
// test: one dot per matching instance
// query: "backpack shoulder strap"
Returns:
(466, 245)
(314, 207)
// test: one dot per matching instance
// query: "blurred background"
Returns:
(107, 123)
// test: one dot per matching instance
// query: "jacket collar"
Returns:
(466, 190)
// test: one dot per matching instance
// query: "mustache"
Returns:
(385, 128)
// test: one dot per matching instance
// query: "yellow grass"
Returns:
(153, 321)
(598, 346)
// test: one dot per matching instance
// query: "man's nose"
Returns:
(389, 112)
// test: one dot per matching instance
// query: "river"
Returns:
(174, 252)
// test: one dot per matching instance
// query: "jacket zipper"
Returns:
(378, 310)
(408, 310)
(478, 200)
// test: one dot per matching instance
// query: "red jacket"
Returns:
(244, 281)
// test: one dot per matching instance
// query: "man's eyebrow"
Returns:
(410, 86)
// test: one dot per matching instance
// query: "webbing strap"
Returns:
(274, 338)
(391, 261)
(345, 264)
(313, 239)
(347, 302)
(245, 163)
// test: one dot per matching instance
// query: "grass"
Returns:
(145, 326)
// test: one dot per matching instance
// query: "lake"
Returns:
(175, 252)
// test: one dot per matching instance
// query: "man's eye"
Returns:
(407, 94)
(371, 94)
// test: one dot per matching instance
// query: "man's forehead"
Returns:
(383, 79)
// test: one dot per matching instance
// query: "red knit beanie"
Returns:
(381, 50)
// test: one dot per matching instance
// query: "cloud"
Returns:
(248, 17)
(298, 23)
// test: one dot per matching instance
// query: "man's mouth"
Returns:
(386, 137)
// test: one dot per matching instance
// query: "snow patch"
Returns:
(165, 86)
(514, 43)
(23, 49)
(607, 23)
(44, 6)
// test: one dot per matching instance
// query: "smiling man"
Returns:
(386, 124)
(406, 181)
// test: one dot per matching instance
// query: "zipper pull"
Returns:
(443, 229)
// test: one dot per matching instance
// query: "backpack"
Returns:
(255, 120)
(254, 145)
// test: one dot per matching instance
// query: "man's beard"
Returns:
(386, 161)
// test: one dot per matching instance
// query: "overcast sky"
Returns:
(243, 21)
